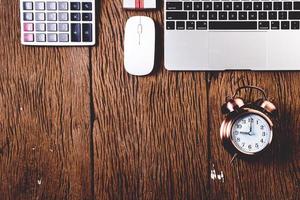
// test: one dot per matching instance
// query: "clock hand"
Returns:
(244, 133)
(251, 127)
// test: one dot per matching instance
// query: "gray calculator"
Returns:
(58, 23)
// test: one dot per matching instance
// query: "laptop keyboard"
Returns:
(232, 15)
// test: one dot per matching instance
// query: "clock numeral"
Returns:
(262, 127)
(238, 139)
(243, 144)
(238, 126)
(249, 147)
(257, 122)
(236, 132)
(263, 133)
(256, 145)
(262, 140)
(244, 121)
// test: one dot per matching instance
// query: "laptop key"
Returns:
(297, 5)
(267, 5)
(275, 25)
(180, 25)
(217, 5)
(285, 25)
(202, 15)
(295, 24)
(222, 15)
(263, 25)
(173, 15)
(174, 6)
(188, 5)
(247, 5)
(237, 5)
(213, 15)
(277, 5)
(201, 25)
(287, 5)
(272, 15)
(232, 15)
(170, 25)
(230, 25)
(257, 5)
(294, 15)
(197, 5)
(227, 5)
(282, 15)
(190, 25)
(193, 16)
(207, 5)
(262, 15)
(242, 15)
(252, 15)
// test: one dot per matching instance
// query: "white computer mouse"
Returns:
(139, 45)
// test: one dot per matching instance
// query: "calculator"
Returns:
(58, 23)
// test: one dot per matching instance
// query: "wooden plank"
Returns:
(44, 117)
(276, 174)
(150, 135)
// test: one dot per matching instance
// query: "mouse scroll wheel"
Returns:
(140, 29)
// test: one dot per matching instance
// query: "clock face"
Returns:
(251, 133)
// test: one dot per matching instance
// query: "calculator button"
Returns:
(28, 37)
(63, 27)
(76, 32)
(40, 6)
(75, 16)
(40, 27)
(63, 16)
(51, 6)
(87, 32)
(40, 16)
(28, 16)
(28, 27)
(51, 27)
(41, 37)
(63, 6)
(52, 37)
(28, 5)
(75, 6)
(64, 37)
(87, 6)
(87, 17)
(51, 16)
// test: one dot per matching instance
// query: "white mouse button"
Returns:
(139, 45)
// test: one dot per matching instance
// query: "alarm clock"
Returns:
(247, 129)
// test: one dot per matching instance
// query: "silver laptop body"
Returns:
(230, 35)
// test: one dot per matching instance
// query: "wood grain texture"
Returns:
(44, 117)
(149, 133)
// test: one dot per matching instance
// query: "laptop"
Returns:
(232, 35)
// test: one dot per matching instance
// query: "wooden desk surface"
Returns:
(75, 125)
